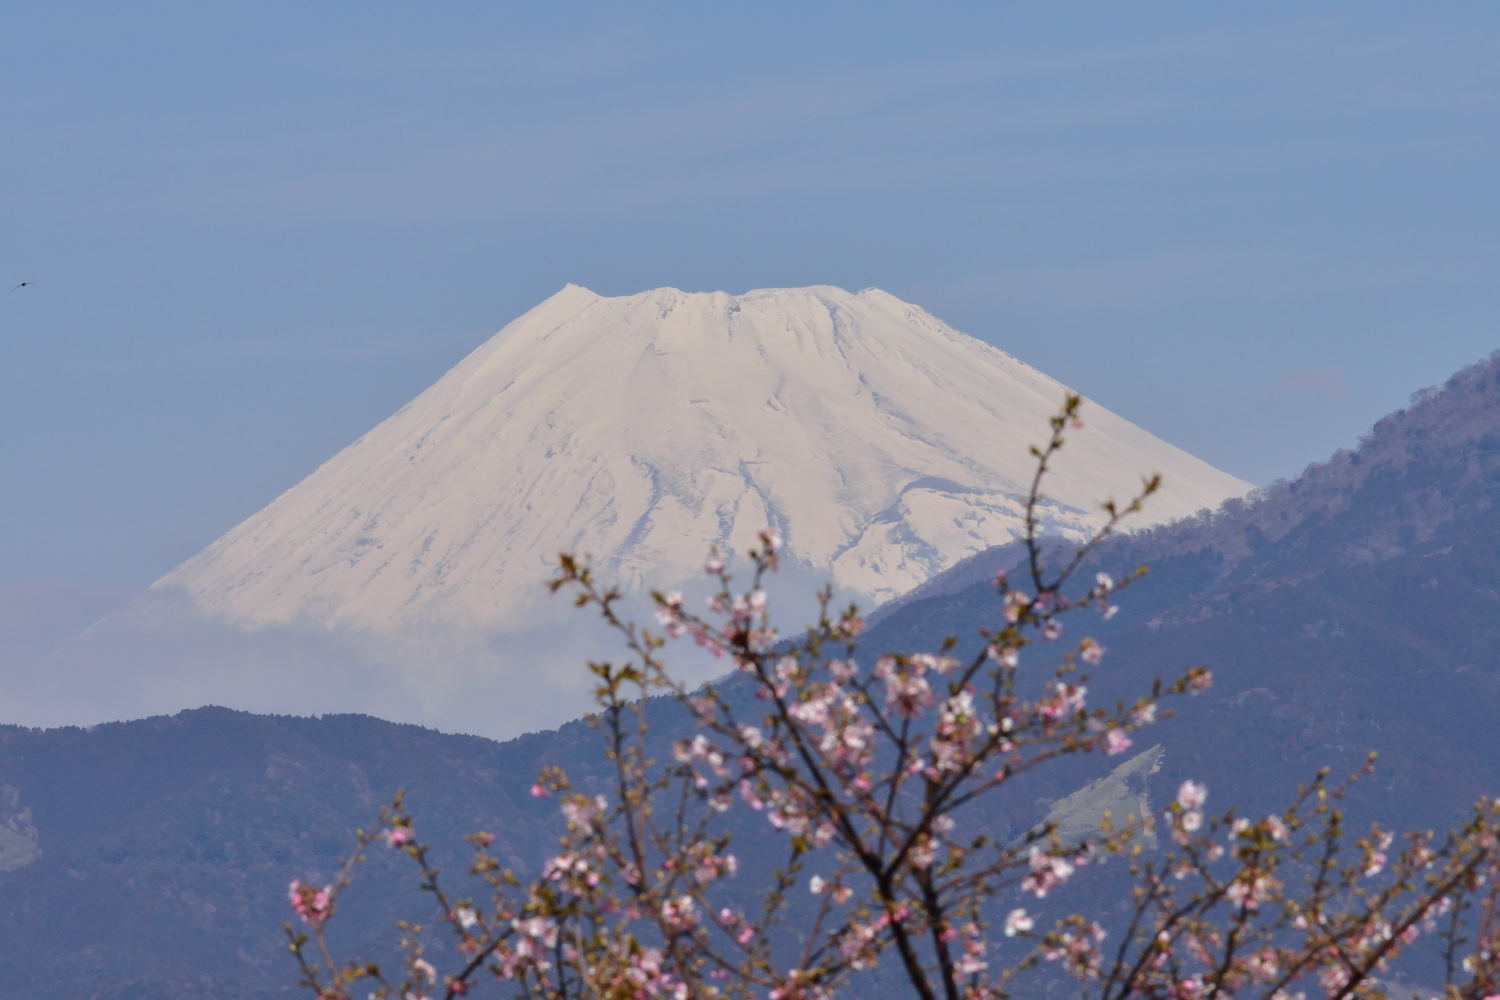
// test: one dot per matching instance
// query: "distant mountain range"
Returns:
(882, 444)
(1354, 608)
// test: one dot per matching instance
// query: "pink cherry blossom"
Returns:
(1191, 795)
(1116, 742)
(1017, 922)
(313, 905)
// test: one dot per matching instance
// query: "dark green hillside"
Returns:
(166, 844)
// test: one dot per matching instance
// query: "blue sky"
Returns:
(254, 230)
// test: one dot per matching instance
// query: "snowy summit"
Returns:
(883, 444)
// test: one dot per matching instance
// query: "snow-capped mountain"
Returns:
(883, 444)
(404, 578)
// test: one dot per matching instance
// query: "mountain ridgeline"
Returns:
(1351, 609)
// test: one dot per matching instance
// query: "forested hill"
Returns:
(151, 858)
(1354, 608)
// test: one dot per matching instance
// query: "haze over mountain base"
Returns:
(165, 654)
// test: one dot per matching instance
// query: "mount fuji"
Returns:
(882, 444)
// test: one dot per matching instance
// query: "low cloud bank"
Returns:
(160, 655)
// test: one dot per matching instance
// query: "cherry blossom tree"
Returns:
(867, 775)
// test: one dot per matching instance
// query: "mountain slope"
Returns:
(1352, 609)
(883, 444)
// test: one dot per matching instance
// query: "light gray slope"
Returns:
(883, 444)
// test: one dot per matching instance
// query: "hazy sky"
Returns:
(254, 230)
